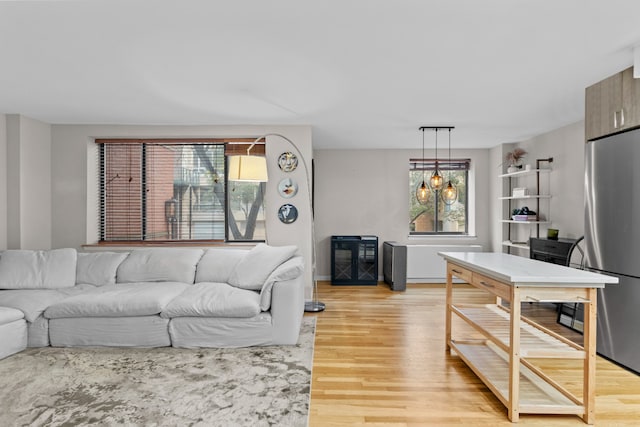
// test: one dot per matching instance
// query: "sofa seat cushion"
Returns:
(8, 315)
(159, 265)
(137, 331)
(33, 302)
(25, 269)
(131, 299)
(222, 332)
(214, 300)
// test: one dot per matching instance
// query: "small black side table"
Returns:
(354, 260)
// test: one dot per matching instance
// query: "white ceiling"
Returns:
(363, 73)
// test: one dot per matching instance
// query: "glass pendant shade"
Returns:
(449, 194)
(436, 180)
(422, 193)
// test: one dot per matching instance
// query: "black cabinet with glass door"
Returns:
(354, 260)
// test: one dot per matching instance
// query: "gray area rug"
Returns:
(257, 386)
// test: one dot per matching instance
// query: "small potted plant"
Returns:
(513, 159)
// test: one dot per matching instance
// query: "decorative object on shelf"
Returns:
(436, 179)
(513, 159)
(288, 162)
(423, 194)
(524, 214)
(291, 159)
(520, 192)
(450, 193)
(287, 188)
(287, 213)
(552, 233)
(248, 168)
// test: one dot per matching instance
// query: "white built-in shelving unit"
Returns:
(510, 202)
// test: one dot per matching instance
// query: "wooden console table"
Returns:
(500, 358)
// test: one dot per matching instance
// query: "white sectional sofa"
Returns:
(217, 297)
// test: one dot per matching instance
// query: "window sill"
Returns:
(123, 246)
(442, 236)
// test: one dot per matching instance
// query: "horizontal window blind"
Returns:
(430, 164)
(155, 190)
(120, 193)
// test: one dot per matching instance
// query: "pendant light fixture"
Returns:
(423, 193)
(436, 180)
(450, 193)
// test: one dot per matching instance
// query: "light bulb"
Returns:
(422, 193)
(449, 194)
(436, 180)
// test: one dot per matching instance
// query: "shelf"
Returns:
(542, 196)
(536, 395)
(534, 342)
(510, 221)
(524, 173)
(515, 245)
(501, 346)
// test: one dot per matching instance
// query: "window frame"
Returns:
(428, 165)
(232, 146)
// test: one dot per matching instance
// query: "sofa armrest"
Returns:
(290, 269)
(287, 309)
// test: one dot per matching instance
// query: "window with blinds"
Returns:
(176, 190)
(437, 217)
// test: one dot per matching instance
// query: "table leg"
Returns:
(514, 357)
(589, 391)
(448, 302)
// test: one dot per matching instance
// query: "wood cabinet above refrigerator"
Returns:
(612, 105)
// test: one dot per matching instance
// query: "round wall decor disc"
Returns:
(288, 161)
(287, 213)
(287, 188)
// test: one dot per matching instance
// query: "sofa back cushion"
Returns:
(26, 269)
(255, 267)
(98, 268)
(159, 265)
(217, 264)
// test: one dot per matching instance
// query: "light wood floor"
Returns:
(380, 360)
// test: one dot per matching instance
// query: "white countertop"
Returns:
(518, 270)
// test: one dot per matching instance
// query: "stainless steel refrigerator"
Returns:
(612, 242)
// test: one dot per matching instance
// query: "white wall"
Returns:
(567, 147)
(75, 180)
(366, 192)
(497, 189)
(3, 182)
(28, 185)
(565, 183)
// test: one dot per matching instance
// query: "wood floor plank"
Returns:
(380, 360)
